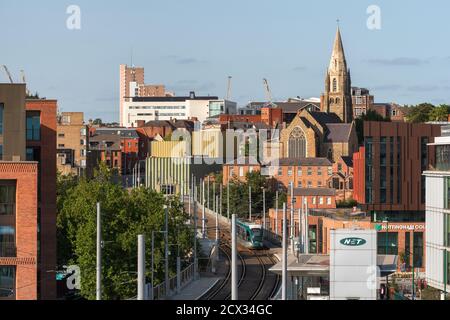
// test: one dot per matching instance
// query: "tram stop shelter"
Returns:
(309, 274)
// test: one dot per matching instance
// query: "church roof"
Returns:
(338, 132)
(325, 118)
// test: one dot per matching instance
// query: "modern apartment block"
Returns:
(145, 109)
(41, 147)
(389, 184)
(132, 84)
(72, 142)
(438, 215)
(19, 257)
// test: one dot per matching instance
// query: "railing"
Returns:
(8, 250)
(186, 277)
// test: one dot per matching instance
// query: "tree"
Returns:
(439, 113)
(124, 216)
(420, 113)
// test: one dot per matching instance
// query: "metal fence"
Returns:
(186, 277)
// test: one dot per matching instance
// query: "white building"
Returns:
(170, 108)
(438, 215)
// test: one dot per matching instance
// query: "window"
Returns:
(309, 171)
(7, 282)
(418, 250)
(319, 171)
(334, 85)
(61, 146)
(251, 169)
(290, 171)
(299, 172)
(314, 201)
(1, 152)
(309, 184)
(389, 241)
(299, 184)
(2, 108)
(321, 200)
(61, 135)
(241, 171)
(329, 201)
(319, 184)
(280, 171)
(330, 171)
(33, 126)
(231, 171)
(297, 144)
(7, 198)
(7, 242)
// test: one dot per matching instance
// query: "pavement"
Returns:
(196, 289)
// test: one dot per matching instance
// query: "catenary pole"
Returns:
(284, 258)
(99, 253)
(141, 268)
(234, 275)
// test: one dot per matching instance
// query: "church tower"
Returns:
(337, 97)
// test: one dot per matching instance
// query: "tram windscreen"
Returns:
(256, 233)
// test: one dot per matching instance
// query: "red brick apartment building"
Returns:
(27, 196)
(389, 185)
(41, 127)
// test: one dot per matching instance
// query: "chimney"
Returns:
(192, 94)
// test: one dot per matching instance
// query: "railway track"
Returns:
(255, 280)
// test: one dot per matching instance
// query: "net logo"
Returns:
(353, 242)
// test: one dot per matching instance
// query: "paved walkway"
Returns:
(196, 289)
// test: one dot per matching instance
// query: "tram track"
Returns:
(255, 281)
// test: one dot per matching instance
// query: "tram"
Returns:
(250, 235)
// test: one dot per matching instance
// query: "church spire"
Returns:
(338, 62)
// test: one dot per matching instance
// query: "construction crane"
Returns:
(7, 73)
(268, 92)
(229, 88)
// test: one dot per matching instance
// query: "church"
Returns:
(331, 132)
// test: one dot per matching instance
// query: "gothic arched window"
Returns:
(331, 100)
(297, 144)
(330, 154)
(338, 100)
(334, 85)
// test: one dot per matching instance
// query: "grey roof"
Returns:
(325, 118)
(183, 124)
(326, 192)
(311, 162)
(112, 139)
(338, 132)
(288, 107)
(158, 123)
(348, 161)
(122, 132)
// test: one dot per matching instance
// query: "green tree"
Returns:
(124, 216)
(420, 113)
(440, 113)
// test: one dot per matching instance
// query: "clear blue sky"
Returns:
(195, 45)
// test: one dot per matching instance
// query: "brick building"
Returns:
(362, 101)
(41, 147)
(388, 181)
(20, 263)
(72, 142)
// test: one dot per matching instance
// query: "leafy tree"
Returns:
(440, 113)
(124, 216)
(420, 113)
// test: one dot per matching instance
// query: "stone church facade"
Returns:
(330, 133)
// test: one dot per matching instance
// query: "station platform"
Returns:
(196, 289)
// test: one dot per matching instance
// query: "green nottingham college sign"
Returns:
(353, 242)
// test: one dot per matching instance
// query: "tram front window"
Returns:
(256, 233)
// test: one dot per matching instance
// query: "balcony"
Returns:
(8, 250)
